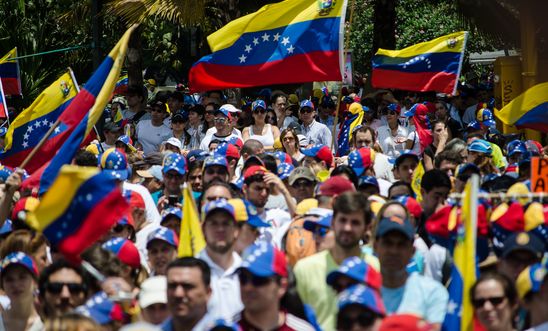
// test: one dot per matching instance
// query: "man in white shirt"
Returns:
(223, 128)
(151, 133)
(221, 231)
(316, 132)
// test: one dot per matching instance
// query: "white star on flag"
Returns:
(452, 306)
(276, 37)
(25, 144)
(242, 58)
(45, 122)
(37, 124)
(255, 41)
(285, 41)
(265, 37)
(29, 128)
(26, 136)
(57, 130)
(248, 48)
(290, 49)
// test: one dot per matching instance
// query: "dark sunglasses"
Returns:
(210, 112)
(495, 301)
(118, 228)
(254, 280)
(57, 288)
(389, 112)
(213, 171)
(364, 319)
(259, 110)
(306, 110)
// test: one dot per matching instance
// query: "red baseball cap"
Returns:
(406, 322)
(254, 170)
(336, 185)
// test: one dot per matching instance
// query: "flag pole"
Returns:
(346, 42)
(40, 143)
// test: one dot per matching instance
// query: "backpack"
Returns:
(298, 243)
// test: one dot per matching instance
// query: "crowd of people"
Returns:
(298, 236)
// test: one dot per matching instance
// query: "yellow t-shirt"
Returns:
(496, 155)
(311, 273)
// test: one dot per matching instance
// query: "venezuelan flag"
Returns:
(528, 110)
(89, 103)
(460, 313)
(32, 124)
(191, 238)
(82, 205)
(416, 180)
(10, 74)
(292, 41)
(352, 119)
(121, 85)
(3, 105)
(429, 66)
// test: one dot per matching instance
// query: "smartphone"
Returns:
(172, 200)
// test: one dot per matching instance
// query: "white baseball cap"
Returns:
(153, 290)
(175, 142)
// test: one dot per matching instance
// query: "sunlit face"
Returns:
(220, 231)
(160, 254)
(187, 295)
(18, 283)
(492, 308)
(349, 229)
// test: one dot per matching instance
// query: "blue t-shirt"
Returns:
(420, 295)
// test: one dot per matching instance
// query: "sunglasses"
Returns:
(173, 176)
(259, 110)
(494, 301)
(220, 119)
(118, 228)
(213, 171)
(364, 319)
(306, 110)
(256, 281)
(57, 288)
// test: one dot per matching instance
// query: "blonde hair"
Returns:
(72, 322)
(22, 241)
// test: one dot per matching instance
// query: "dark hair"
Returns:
(507, 284)
(198, 109)
(177, 96)
(284, 133)
(351, 202)
(447, 156)
(196, 164)
(105, 261)
(269, 162)
(85, 158)
(192, 262)
(435, 178)
(56, 266)
(252, 179)
(210, 185)
(138, 90)
(344, 169)
(363, 129)
(397, 184)
(276, 95)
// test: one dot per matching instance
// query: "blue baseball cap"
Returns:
(323, 222)
(516, 146)
(363, 296)
(406, 154)
(19, 258)
(361, 159)
(5, 172)
(114, 163)
(227, 109)
(485, 117)
(321, 152)
(163, 234)
(473, 125)
(394, 223)
(169, 211)
(124, 139)
(357, 269)
(6, 227)
(480, 146)
(216, 159)
(125, 250)
(196, 154)
(220, 204)
(264, 260)
(245, 211)
(258, 104)
(462, 168)
(101, 309)
(284, 170)
(174, 161)
(368, 180)
(307, 103)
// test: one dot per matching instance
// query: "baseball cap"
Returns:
(3, 131)
(361, 159)
(114, 162)
(301, 172)
(336, 185)
(196, 154)
(19, 258)
(474, 125)
(124, 139)
(125, 250)
(480, 146)
(22, 207)
(357, 269)
(153, 290)
(323, 222)
(307, 103)
(321, 152)
(101, 309)
(284, 170)
(406, 322)
(220, 204)
(236, 141)
(6, 228)
(264, 260)
(227, 150)
(411, 205)
(163, 234)
(416, 109)
(363, 296)
(254, 170)
(215, 159)
(304, 206)
(244, 211)
(395, 223)
(174, 142)
(253, 160)
(258, 104)
(153, 172)
(367, 180)
(226, 109)
(515, 146)
(222, 324)
(283, 157)
(159, 104)
(174, 161)
(179, 117)
(462, 168)
(530, 279)
(5, 172)
(172, 211)
(405, 155)
(523, 241)
(485, 117)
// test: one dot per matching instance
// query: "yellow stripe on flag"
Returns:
(191, 238)
(9, 56)
(416, 181)
(454, 43)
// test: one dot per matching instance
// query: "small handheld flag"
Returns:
(191, 240)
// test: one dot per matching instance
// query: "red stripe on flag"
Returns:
(421, 82)
(322, 66)
(11, 86)
(99, 221)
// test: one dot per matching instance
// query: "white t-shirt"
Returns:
(414, 137)
(392, 146)
(150, 136)
(279, 221)
(208, 138)
(212, 130)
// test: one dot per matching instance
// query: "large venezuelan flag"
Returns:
(31, 125)
(90, 102)
(10, 74)
(82, 205)
(292, 41)
(460, 313)
(429, 66)
(528, 110)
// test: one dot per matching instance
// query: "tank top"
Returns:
(267, 139)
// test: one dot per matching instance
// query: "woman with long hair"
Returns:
(290, 144)
(260, 130)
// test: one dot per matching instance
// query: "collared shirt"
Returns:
(225, 301)
(291, 322)
(205, 324)
(329, 121)
(392, 146)
(317, 133)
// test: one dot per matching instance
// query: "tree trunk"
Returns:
(384, 25)
(135, 58)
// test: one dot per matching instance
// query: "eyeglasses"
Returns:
(210, 112)
(494, 301)
(364, 319)
(220, 119)
(306, 110)
(256, 281)
(57, 288)
(259, 110)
